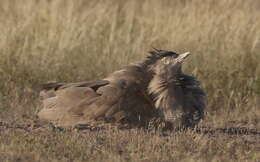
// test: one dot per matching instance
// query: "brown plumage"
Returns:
(153, 88)
(177, 95)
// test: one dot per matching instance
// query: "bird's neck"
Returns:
(167, 94)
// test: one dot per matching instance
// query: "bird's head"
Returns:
(168, 63)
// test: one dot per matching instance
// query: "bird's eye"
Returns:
(166, 61)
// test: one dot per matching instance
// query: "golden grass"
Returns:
(81, 40)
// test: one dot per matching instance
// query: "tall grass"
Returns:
(80, 40)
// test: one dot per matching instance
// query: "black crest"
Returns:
(162, 53)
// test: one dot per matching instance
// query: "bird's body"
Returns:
(155, 88)
(181, 100)
(120, 98)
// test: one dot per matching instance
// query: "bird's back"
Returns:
(118, 98)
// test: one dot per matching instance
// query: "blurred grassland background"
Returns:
(69, 41)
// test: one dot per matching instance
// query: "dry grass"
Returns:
(81, 40)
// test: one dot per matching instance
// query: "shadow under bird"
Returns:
(155, 88)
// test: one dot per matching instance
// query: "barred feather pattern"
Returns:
(180, 99)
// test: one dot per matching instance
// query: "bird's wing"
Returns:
(92, 84)
(199, 98)
(114, 98)
(195, 103)
(51, 85)
(195, 100)
(54, 108)
(59, 85)
(194, 93)
(116, 102)
(57, 102)
(49, 89)
(105, 105)
(75, 103)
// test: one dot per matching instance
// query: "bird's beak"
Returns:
(182, 57)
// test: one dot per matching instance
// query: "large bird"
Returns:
(135, 95)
